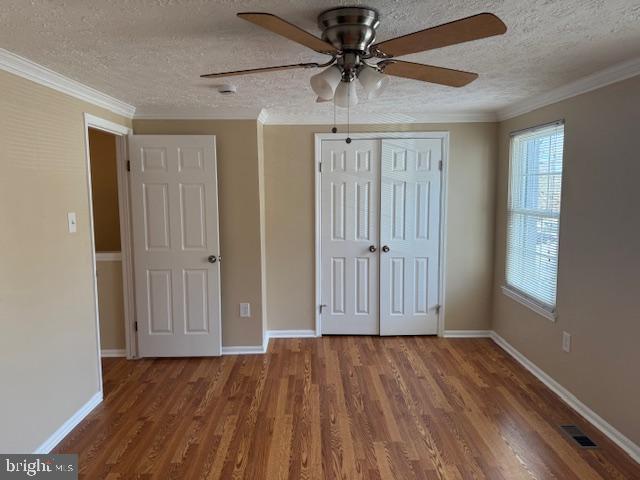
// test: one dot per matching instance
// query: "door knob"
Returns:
(385, 249)
(212, 259)
(372, 248)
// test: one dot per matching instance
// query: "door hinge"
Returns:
(440, 165)
(128, 165)
(320, 166)
(135, 326)
(321, 307)
(437, 309)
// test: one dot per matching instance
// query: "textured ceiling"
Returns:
(149, 53)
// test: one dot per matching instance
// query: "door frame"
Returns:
(319, 137)
(121, 132)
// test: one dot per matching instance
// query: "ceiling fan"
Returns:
(348, 34)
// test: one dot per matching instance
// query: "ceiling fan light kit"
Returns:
(348, 36)
(346, 95)
(373, 81)
(324, 84)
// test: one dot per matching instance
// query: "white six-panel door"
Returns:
(380, 236)
(174, 202)
(410, 236)
(349, 224)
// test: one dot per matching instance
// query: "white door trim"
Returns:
(121, 132)
(319, 137)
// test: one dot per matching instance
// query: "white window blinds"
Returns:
(533, 213)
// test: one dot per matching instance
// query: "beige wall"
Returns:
(104, 189)
(599, 263)
(289, 190)
(239, 207)
(48, 341)
(110, 305)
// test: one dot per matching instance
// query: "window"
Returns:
(533, 217)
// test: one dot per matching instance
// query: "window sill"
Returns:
(530, 304)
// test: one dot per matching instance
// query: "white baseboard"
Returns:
(242, 350)
(256, 349)
(592, 417)
(70, 424)
(291, 333)
(467, 334)
(113, 352)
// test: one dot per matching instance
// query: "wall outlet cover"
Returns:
(245, 309)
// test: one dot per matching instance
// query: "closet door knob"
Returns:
(212, 259)
(372, 248)
(385, 249)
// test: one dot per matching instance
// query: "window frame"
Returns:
(549, 312)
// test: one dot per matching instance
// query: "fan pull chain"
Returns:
(348, 140)
(334, 129)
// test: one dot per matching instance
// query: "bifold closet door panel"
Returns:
(410, 236)
(350, 197)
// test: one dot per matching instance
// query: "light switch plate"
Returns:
(71, 220)
(566, 342)
(245, 309)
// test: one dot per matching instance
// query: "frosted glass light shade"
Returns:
(325, 82)
(346, 95)
(373, 81)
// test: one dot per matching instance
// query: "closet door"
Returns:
(349, 236)
(410, 236)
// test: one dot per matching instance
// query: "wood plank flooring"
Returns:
(337, 407)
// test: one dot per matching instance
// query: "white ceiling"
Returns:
(150, 53)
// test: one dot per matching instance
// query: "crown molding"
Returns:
(279, 117)
(22, 67)
(198, 114)
(286, 118)
(263, 117)
(613, 74)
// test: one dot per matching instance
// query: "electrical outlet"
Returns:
(245, 309)
(566, 341)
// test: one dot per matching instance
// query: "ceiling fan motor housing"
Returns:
(351, 30)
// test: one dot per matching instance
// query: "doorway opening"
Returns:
(105, 144)
(106, 228)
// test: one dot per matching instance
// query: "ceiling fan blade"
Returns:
(427, 73)
(289, 30)
(459, 31)
(260, 70)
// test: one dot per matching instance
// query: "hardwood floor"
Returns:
(338, 407)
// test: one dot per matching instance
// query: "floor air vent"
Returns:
(579, 436)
